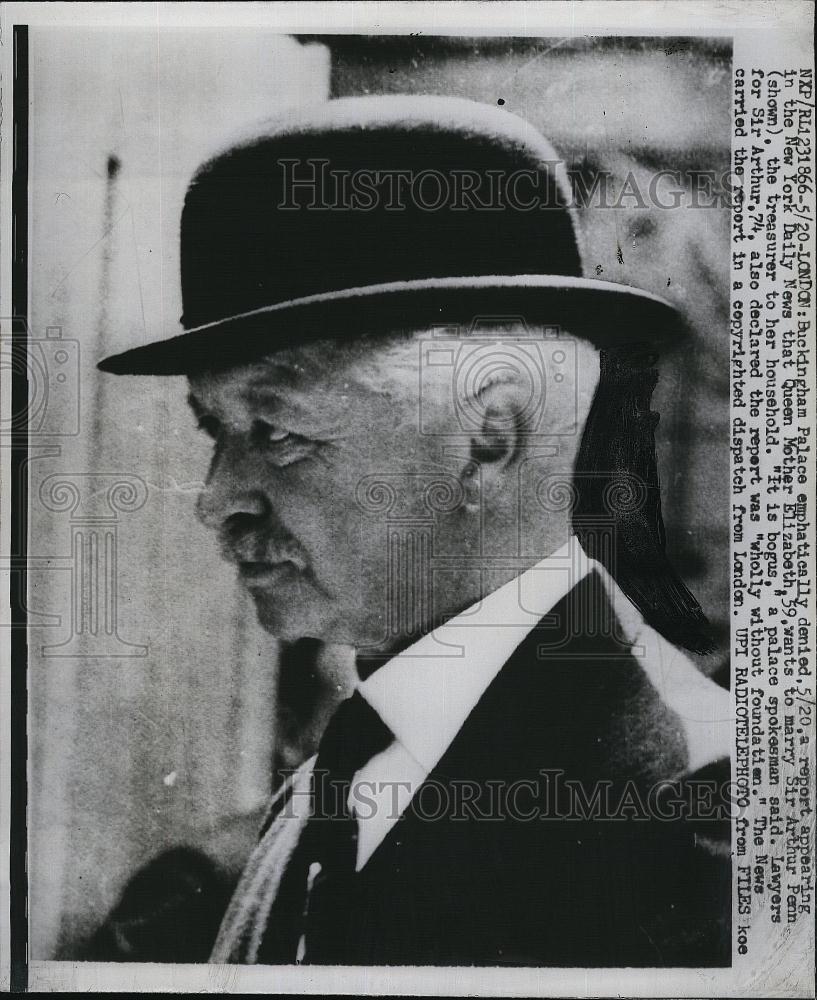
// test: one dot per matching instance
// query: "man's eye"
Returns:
(285, 446)
(269, 434)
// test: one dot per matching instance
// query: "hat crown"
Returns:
(369, 214)
(365, 191)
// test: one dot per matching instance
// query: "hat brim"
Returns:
(605, 313)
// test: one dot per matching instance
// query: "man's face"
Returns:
(336, 483)
(294, 439)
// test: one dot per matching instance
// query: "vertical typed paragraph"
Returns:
(772, 358)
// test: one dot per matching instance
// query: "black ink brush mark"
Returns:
(113, 166)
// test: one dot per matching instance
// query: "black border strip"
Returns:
(18, 879)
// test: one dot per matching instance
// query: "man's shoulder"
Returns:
(581, 694)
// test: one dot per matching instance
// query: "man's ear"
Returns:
(498, 419)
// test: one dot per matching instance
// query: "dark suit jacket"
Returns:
(480, 885)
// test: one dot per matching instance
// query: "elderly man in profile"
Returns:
(432, 441)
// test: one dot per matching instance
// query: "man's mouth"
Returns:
(264, 572)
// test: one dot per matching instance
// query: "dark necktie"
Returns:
(323, 869)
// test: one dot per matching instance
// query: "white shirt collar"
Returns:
(425, 693)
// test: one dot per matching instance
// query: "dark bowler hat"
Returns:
(375, 214)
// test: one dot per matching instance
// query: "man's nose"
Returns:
(232, 493)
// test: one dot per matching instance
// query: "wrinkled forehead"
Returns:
(410, 365)
(317, 387)
(311, 368)
(279, 373)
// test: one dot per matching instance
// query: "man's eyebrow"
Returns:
(269, 400)
(297, 410)
(274, 380)
(261, 392)
(283, 395)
